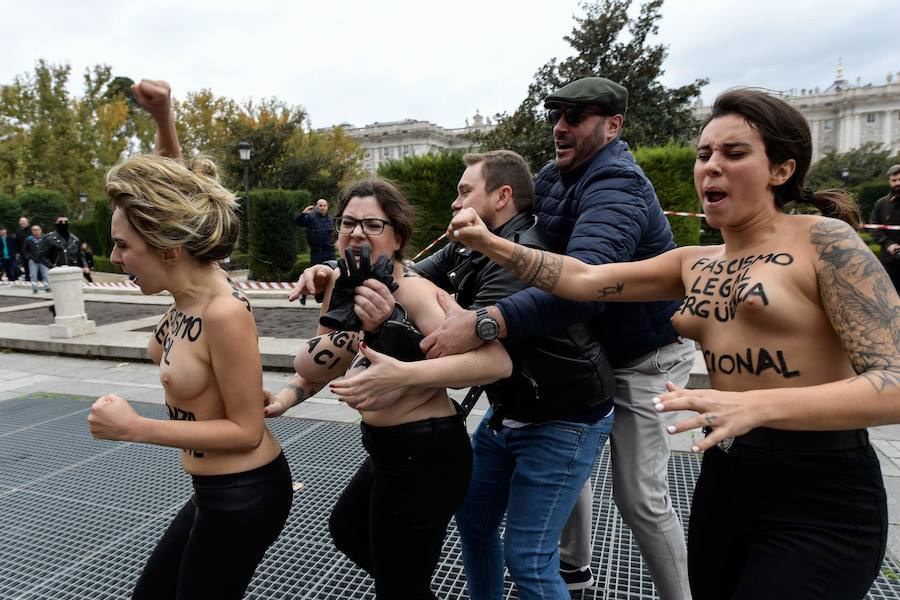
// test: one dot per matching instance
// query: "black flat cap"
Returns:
(610, 97)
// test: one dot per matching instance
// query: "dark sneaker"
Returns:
(576, 578)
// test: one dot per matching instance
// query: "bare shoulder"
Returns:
(688, 254)
(229, 314)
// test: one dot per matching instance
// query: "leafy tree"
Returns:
(866, 163)
(42, 206)
(322, 162)
(203, 121)
(53, 141)
(605, 42)
(10, 211)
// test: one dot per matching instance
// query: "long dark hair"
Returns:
(786, 136)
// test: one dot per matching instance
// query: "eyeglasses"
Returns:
(573, 114)
(371, 226)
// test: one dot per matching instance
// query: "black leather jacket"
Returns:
(57, 251)
(554, 375)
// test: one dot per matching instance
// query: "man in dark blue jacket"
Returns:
(318, 231)
(594, 203)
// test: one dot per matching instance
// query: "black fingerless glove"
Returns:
(340, 314)
(397, 337)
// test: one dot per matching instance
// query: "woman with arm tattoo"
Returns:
(392, 517)
(800, 330)
(172, 222)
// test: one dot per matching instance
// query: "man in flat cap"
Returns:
(595, 204)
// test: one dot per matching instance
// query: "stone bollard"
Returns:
(68, 300)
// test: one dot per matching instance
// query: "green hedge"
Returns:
(102, 263)
(273, 235)
(42, 206)
(84, 230)
(429, 183)
(671, 170)
(102, 242)
(10, 212)
(304, 199)
(868, 193)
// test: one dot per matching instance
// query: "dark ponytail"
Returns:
(834, 203)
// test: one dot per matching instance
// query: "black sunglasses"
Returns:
(573, 115)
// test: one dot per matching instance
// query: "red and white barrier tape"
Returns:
(429, 246)
(243, 285)
(676, 213)
(285, 285)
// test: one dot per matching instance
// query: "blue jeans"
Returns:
(39, 271)
(534, 475)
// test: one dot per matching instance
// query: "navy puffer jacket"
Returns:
(606, 211)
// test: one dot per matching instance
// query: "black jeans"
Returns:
(392, 517)
(792, 525)
(893, 271)
(213, 546)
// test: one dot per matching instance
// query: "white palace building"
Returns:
(399, 139)
(841, 117)
(844, 116)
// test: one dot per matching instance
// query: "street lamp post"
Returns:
(845, 175)
(244, 153)
(83, 198)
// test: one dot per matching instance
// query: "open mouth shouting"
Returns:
(713, 196)
(563, 147)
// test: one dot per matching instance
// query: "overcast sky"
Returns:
(361, 61)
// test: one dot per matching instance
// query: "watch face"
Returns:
(488, 329)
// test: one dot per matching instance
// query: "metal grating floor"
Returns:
(78, 517)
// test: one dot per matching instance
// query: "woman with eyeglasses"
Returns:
(800, 330)
(392, 517)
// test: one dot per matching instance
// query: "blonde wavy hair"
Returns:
(176, 205)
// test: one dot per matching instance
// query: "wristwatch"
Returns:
(486, 326)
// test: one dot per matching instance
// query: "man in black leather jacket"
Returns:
(534, 449)
(62, 248)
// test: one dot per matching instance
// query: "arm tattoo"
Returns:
(861, 303)
(299, 393)
(612, 290)
(538, 268)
